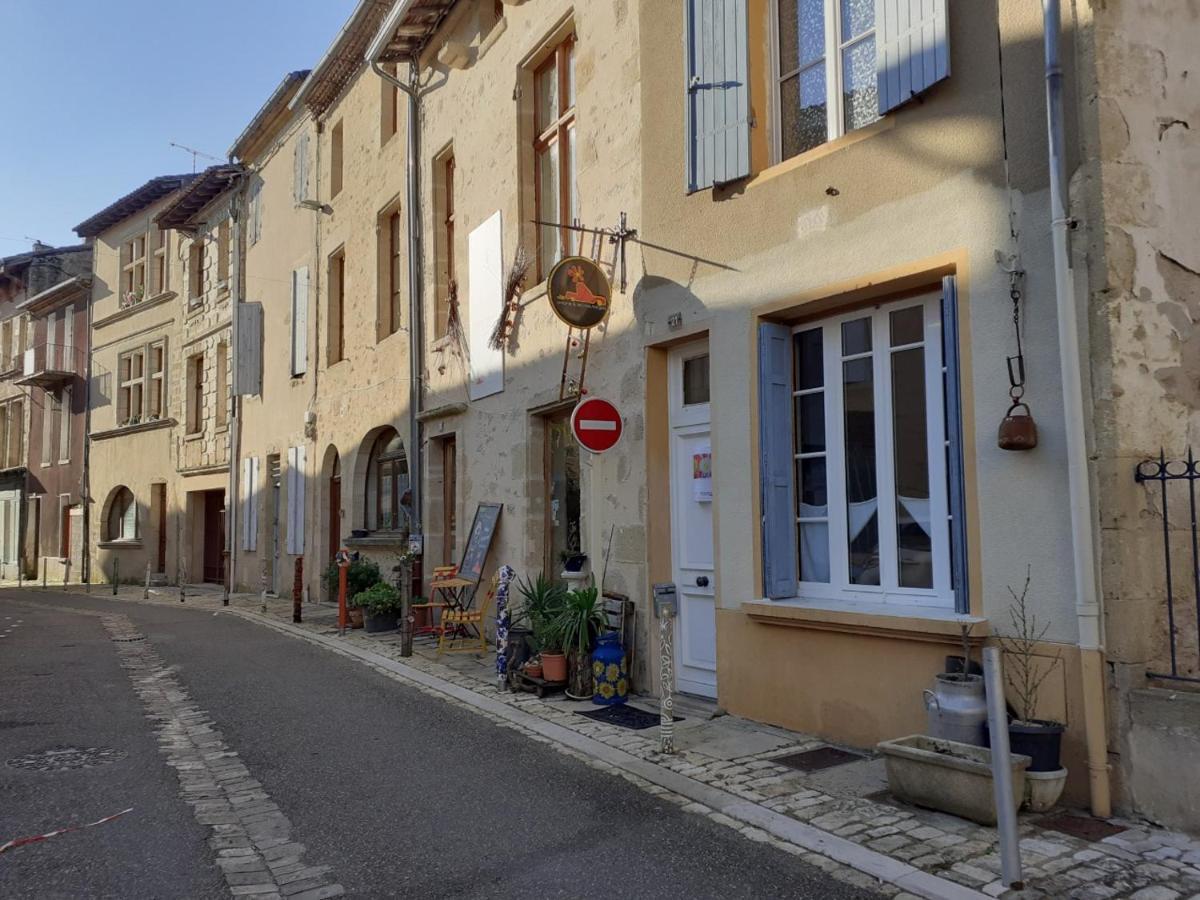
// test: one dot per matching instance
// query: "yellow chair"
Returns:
(456, 624)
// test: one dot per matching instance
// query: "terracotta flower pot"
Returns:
(533, 671)
(554, 667)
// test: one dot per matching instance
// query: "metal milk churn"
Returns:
(957, 709)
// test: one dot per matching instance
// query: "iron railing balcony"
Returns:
(51, 366)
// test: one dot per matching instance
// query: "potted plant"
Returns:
(581, 622)
(360, 575)
(533, 626)
(957, 706)
(380, 604)
(354, 612)
(1039, 739)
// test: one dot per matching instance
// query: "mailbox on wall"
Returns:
(665, 601)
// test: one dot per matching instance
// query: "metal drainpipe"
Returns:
(416, 329)
(1087, 597)
(85, 486)
(235, 401)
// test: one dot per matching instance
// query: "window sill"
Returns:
(916, 623)
(132, 429)
(809, 156)
(126, 312)
(194, 436)
(135, 544)
(379, 539)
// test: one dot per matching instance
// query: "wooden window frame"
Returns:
(195, 394)
(161, 256)
(221, 376)
(396, 465)
(196, 253)
(223, 254)
(336, 351)
(337, 158)
(133, 269)
(833, 46)
(148, 380)
(555, 132)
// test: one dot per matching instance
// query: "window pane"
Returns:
(810, 369)
(801, 33)
(802, 107)
(814, 493)
(695, 380)
(572, 193)
(810, 423)
(862, 512)
(860, 94)
(547, 164)
(913, 525)
(857, 16)
(907, 326)
(856, 337)
(547, 96)
(814, 552)
(385, 495)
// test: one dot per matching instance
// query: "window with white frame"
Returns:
(133, 269)
(557, 200)
(141, 384)
(869, 439)
(825, 74)
(161, 280)
(122, 521)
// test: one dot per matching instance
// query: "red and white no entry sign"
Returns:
(597, 425)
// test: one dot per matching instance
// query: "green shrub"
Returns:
(379, 599)
(361, 574)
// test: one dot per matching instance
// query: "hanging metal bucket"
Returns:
(1018, 432)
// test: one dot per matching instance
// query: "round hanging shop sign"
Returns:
(579, 292)
(597, 425)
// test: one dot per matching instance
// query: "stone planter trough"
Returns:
(948, 776)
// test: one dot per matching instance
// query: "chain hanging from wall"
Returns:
(1017, 431)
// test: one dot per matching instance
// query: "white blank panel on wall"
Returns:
(485, 294)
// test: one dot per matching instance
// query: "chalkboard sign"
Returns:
(487, 517)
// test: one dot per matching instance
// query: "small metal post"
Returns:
(20, 573)
(298, 591)
(1002, 783)
(44, 561)
(66, 572)
(146, 589)
(116, 573)
(406, 613)
(343, 564)
(666, 708)
(182, 592)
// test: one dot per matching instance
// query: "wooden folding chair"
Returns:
(457, 624)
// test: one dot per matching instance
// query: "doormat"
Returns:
(1081, 827)
(625, 716)
(816, 760)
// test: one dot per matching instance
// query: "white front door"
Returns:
(692, 522)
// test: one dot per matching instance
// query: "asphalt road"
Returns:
(402, 794)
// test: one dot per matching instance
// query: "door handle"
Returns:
(702, 581)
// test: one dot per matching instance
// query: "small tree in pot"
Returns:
(541, 603)
(582, 621)
(1039, 739)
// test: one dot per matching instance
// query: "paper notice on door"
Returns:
(702, 474)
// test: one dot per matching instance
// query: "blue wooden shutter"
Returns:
(718, 92)
(954, 439)
(776, 468)
(912, 49)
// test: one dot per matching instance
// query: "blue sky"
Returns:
(93, 91)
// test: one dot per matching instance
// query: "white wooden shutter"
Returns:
(129, 530)
(776, 460)
(68, 340)
(250, 503)
(300, 168)
(912, 49)
(300, 321)
(718, 92)
(295, 501)
(247, 376)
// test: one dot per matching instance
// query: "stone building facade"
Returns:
(43, 353)
(815, 253)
